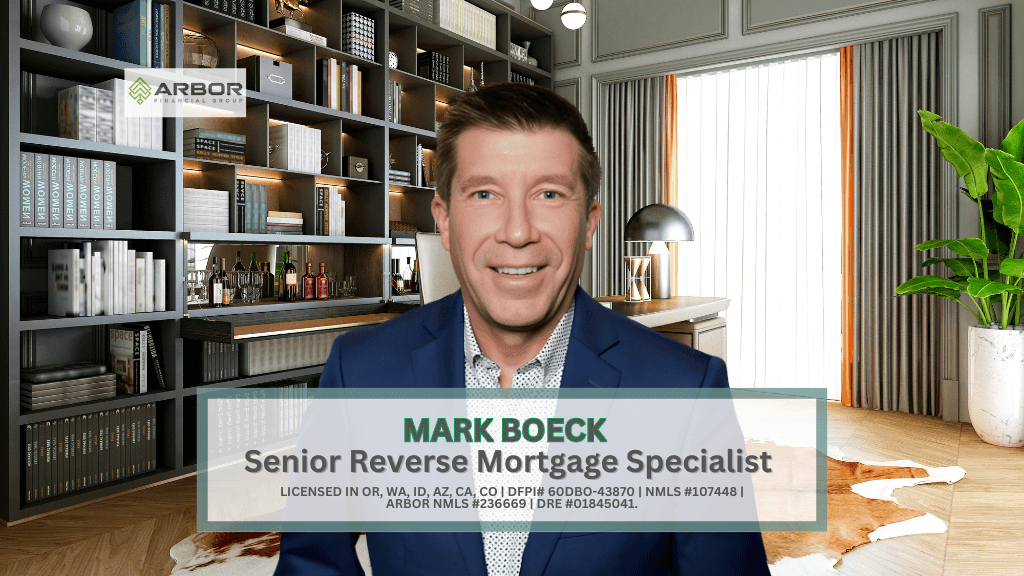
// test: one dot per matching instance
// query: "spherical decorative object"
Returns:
(541, 4)
(392, 60)
(66, 26)
(574, 16)
(200, 51)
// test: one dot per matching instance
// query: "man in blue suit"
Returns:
(517, 210)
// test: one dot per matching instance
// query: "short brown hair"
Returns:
(513, 106)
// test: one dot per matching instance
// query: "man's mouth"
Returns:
(517, 271)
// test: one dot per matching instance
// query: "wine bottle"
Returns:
(226, 289)
(215, 288)
(397, 285)
(289, 280)
(407, 275)
(321, 284)
(416, 276)
(309, 283)
(269, 288)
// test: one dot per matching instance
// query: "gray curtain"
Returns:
(896, 201)
(632, 154)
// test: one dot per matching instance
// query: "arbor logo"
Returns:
(139, 91)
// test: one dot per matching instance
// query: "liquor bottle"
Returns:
(268, 281)
(215, 290)
(309, 283)
(289, 280)
(226, 288)
(407, 275)
(321, 284)
(416, 276)
(253, 265)
(238, 267)
(397, 284)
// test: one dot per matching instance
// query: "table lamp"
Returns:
(659, 223)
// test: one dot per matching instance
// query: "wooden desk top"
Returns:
(662, 311)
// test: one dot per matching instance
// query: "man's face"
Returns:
(517, 225)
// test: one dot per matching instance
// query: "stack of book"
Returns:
(204, 144)
(517, 77)
(67, 454)
(242, 9)
(297, 148)
(97, 114)
(211, 361)
(420, 177)
(357, 35)
(143, 34)
(394, 108)
(422, 8)
(286, 353)
(469, 21)
(433, 66)
(339, 85)
(104, 278)
(284, 222)
(206, 210)
(248, 208)
(330, 212)
(297, 29)
(67, 192)
(400, 177)
(254, 416)
(59, 385)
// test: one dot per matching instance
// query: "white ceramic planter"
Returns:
(995, 368)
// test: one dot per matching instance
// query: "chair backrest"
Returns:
(436, 273)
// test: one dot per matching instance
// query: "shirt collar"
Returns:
(550, 356)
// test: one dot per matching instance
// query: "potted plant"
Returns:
(996, 344)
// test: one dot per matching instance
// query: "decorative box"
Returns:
(356, 167)
(267, 75)
(517, 52)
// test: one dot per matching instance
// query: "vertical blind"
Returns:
(759, 178)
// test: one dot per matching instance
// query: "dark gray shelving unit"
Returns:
(154, 192)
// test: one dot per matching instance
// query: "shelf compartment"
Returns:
(305, 113)
(429, 35)
(119, 401)
(258, 380)
(525, 69)
(40, 58)
(279, 239)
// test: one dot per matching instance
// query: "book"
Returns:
(109, 195)
(151, 351)
(213, 134)
(104, 115)
(302, 34)
(217, 156)
(55, 195)
(238, 208)
(76, 113)
(96, 194)
(212, 145)
(132, 33)
(26, 189)
(318, 220)
(138, 284)
(70, 204)
(157, 47)
(42, 390)
(63, 399)
(148, 258)
(127, 360)
(104, 267)
(159, 285)
(84, 193)
(42, 188)
(133, 284)
(87, 279)
(62, 282)
(121, 123)
(56, 373)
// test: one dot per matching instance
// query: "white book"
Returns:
(159, 285)
(146, 7)
(145, 127)
(123, 285)
(61, 282)
(157, 133)
(121, 123)
(131, 286)
(140, 284)
(118, 278)
(87, 310)
(96, 284)
(148, 256)
(83, 281)
(317, 143)
(106, 271)
(341, 215)
(303, 34)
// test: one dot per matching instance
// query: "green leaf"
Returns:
(997, 236)
(1008, 201)
(958, 266)
(1013, 144)
(1012, 267)
(982, 288)
(920, 284)
(961, 280)
(943, 292)
(966, 154)
(969, 247)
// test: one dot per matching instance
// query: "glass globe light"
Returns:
(541, 4)
(574, 16)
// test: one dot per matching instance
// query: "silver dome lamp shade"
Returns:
(659, 223)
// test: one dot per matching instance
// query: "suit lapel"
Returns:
(590, 337)
(440, 363)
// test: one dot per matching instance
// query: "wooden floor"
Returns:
(132, 533)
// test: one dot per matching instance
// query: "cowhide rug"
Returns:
(861, 509)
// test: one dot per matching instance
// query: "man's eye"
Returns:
(549, 195)
(482, 195)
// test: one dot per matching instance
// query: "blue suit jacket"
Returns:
(424, 348)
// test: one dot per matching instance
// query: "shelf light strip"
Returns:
(258, 51)
(259, 178)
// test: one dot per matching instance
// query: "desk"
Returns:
(691, 320)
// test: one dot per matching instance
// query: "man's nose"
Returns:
(518, 228)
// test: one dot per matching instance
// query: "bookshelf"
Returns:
(150, 207)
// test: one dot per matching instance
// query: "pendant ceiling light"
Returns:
(541, 4)
(574, 16)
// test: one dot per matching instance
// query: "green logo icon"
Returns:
(139, 91)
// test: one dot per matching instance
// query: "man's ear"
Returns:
(440, 211)
(593, 217)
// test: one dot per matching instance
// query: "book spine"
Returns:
(168, 60)
(157, 47)
(27, 188)
(148, 257)
(238, 209)
(70, 192)
(126, 33)
(109, 195)
(86, 113)
(61, 456)
(84, 192)
(318, 220)
(42, 183)
(104, 115)
(96, 194)
(159, 290)
(218, 156)
(146, 33)
(213, 135)
(67, 113)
